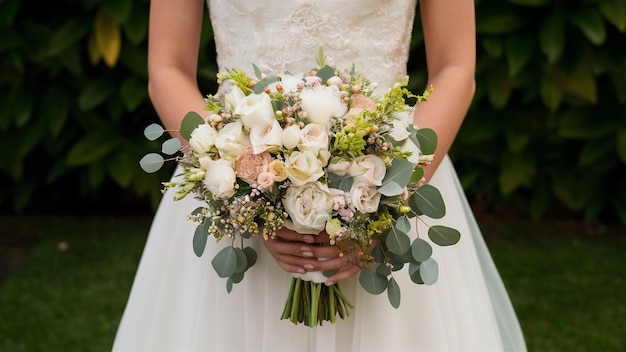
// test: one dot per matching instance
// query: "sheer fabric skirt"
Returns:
(178, 303)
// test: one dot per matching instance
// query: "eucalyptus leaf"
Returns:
(251, 256)
(403, 224)
(414, 273)
(396, 177)
(153, 131)
(421, 250)
(242, 260)
(191, 120)
(225, 262)
(372, 282)
(343, 183)
(237, 277)
(378, 253)
(199, 240)
(397, 242)
(429, 271)
(429, 201)
(427, 139)
(152, 162)
(171, 146)
(443, 235)
(393, 293)
(383, 270)
(229, 285)
(325, 73)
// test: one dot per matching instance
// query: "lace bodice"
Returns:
(285, 35)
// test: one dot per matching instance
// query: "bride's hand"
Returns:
(298, 253)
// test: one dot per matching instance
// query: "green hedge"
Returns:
(547, 129)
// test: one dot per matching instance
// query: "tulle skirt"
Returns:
(178, 303)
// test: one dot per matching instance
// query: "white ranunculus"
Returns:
(220, 177)
(409, 146)
(365, 198)
(321, 103)
(266, 137)
(303, 167)
(308, 206)
(401, 122)
(339, 166)
(313, 138)
(289, 82)
(291, 137)
(256, 110)
(369, 169)
(203, 139)
(334, 81)
(233, 97)
(231, 141)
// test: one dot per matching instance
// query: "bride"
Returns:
(178, 303)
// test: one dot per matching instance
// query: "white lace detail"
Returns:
(285, 35)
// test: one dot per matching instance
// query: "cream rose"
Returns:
(231, 141)
(365, 198)
(233, 97)
(256, 110)
(303, 167)
(250, 165)
(266, 137)
(291, 136)
(321, 103)
(203, 139)
(308, 206)
(278, 169)
(220, 177)
(313, 138)
(401, 122)
(339, 166)
(368, 169)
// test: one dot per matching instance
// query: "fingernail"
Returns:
(307, 254)
(329, 283)
(300, 271)
(308, 238)
(306, 251)
(308, 267)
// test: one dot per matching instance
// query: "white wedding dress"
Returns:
(178, 303)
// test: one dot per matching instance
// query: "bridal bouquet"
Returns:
(311, 152)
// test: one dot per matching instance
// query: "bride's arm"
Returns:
(449, 35)
(173, 47)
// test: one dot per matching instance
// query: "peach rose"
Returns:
(250, 165)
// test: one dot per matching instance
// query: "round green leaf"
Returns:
(242, 261)
(427, 139)
(153, 131)
(199, 240)
(397, 242)
(403, 224)
(393, 293)
(383, 270)
(251, 256)
(151, 163)
(443, 235)
(229, 285)
(421, 250)
(414, 273)
(171, 146)
(429, 271)
(372, 282)
(225, 262)
(191, 120)
(236, 277)
(428, 201)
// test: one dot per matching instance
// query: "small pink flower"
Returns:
(265, 180)
(313, 80)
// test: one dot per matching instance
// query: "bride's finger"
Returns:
(293, 236)
(343, 275)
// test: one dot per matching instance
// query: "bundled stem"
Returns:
(313, 303)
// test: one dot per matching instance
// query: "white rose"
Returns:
(231, 141)
(334, 81)
(256, 110)
(287, 81)
(365, 198)
(410, 147)
(369, 169)
(233, 97)
(303, 167)
(313, 138)
(339, 166)
(401, 122)
(220, 177)
(203, 139)
(266, 137)
(291, 136)
(308, 206)
(321, 103)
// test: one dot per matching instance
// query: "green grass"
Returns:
(567, 286)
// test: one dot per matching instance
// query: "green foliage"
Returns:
(546, 130)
